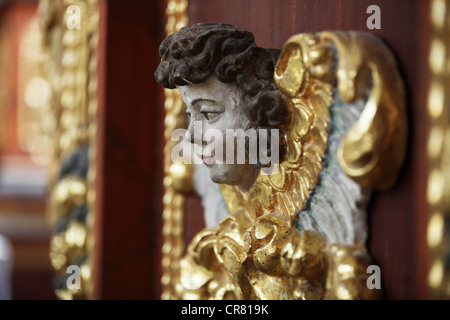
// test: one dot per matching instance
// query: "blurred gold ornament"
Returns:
(178, 179)
(438, 149)
(69, 68)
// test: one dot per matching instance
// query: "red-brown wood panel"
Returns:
(398, 217)
(130, 143)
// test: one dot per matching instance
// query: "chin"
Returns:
(220, 174)
(224, 174)
(217, 178)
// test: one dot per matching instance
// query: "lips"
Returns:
(207, 160)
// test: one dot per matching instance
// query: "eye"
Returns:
(210, 116)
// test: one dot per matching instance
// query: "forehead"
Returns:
(211, 89)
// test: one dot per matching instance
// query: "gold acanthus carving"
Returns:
(257, 252)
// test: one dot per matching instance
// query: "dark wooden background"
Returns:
(131, 126)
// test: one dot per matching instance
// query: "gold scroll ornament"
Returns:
(365, 70)
(256, 252)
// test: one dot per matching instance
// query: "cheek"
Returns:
(233, 120)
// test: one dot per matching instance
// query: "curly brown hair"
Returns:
(194, 53)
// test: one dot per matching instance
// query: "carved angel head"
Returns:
(226, 82)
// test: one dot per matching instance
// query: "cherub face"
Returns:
(213, 104)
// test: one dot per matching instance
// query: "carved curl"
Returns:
(194, 53)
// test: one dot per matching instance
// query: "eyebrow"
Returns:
(195, 101)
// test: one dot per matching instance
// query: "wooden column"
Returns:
(129, 157)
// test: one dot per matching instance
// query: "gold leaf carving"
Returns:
(258, 251)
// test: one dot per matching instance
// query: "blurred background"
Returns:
(56, 75)
(24, 157)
